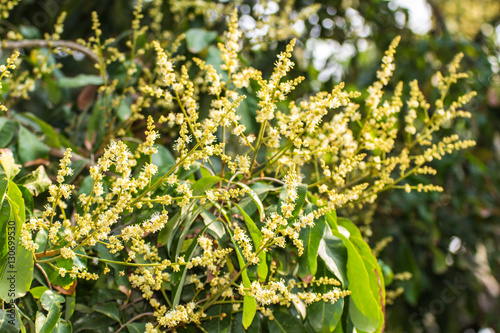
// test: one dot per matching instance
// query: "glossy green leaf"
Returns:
(284, 322)
(214, 224)
(256, 236)
(255, 327)
(53, 91)
(7, 131)
(178, 284)
(37, 292)
(216, 325)
(51, 302)
(324, 316)
(333, 252)
(163, 159)
(51, 137)
(15, 278)
(249, 303)
(29, 203)
(70, 307)
(364, 308)
(187, 227)
(47, 324)
(30, 147)
(4, 225)
(63, 326)
(8, 322)
(198, 39)
(256, 200)
(377, 282)
(109, 309)
(311, 238)
(203, 184)
(50, 299)
(80, 80)
(136, 327)
(36, 182)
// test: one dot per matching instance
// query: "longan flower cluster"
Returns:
(6, 69)
(6, 6)
(276, 292)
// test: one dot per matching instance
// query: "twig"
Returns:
(44, 274)
(31, 43)
(135, 318)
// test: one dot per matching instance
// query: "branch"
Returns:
(31, 43)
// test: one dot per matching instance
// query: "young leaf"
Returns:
(198, 39)
(51, 137)
(7, 131)
(364, 308)
(36, 182)
(30, 147)
(19, 269)
(311, 238)
(256, 236)
(8, 322)
(249, 303)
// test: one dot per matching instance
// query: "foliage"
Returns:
(196, 192)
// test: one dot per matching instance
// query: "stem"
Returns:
(32, 43)
(118, 262)
(134, 319)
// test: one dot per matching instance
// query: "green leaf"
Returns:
(178, 284)
(214, 224)
(4, 220)
(30, 147)
(28, 200)
(8, 322)
(249, 302)
(311, 238)
(324, 316)
(256, 236)
(187, 228)
(7, 131)
(198, 39)
(333, 252)
(216, 325)
(80, 80)
(37, 292)
(284, 322)
(439, 265)
(377, 283)
(47, 324)
(109, 309)
(53, 91)
(203, 184)
(51, 302)
(36, 182)
(255, 327)
(50, 298)
(51, 137)
(70, 307)
(136, 327)
(163, 159)
(63, 326)
(256, 200)
(15, 278)
(364, 308)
